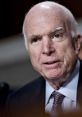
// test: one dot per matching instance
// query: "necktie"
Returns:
(58, 98)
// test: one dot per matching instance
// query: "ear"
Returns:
(78, 43)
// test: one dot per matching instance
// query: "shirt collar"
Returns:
(69, 89)
(49, 91)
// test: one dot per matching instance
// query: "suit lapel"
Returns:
(79, 89)
(42, 95)
(34, 102)
(39, 97)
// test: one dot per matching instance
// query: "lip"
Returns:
(51, 64)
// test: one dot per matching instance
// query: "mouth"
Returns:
(52, 64)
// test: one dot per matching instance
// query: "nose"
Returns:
(47, 46)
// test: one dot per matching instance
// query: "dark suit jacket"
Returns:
(30, 100)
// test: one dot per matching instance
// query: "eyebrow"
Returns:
(55, 31)
(34, 36)
(58, 29)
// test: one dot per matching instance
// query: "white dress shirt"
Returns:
(69, 90)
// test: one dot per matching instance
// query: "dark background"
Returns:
(13, 12)
(15, 67)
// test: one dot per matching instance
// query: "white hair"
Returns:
(72, 23)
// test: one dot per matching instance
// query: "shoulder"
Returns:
(32, 86)
(25, 98)
(29, 89)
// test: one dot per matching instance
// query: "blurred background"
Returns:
(15, 67)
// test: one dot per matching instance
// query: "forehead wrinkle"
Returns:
(48, 33)
(42, 15)
(47, 9)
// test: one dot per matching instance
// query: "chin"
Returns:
(53, 77)
(55, 74)
(57, 80)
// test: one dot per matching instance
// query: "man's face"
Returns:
(50, 46)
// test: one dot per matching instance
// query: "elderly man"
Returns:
(52, 41)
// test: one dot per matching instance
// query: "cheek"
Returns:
(69, 56)
(67, 49)
(34, 54)
(67, 53)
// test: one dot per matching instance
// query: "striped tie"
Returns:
(58, 98)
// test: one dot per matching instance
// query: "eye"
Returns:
(52, 35)
(56, 34)
(35, 39)
(59, 34)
